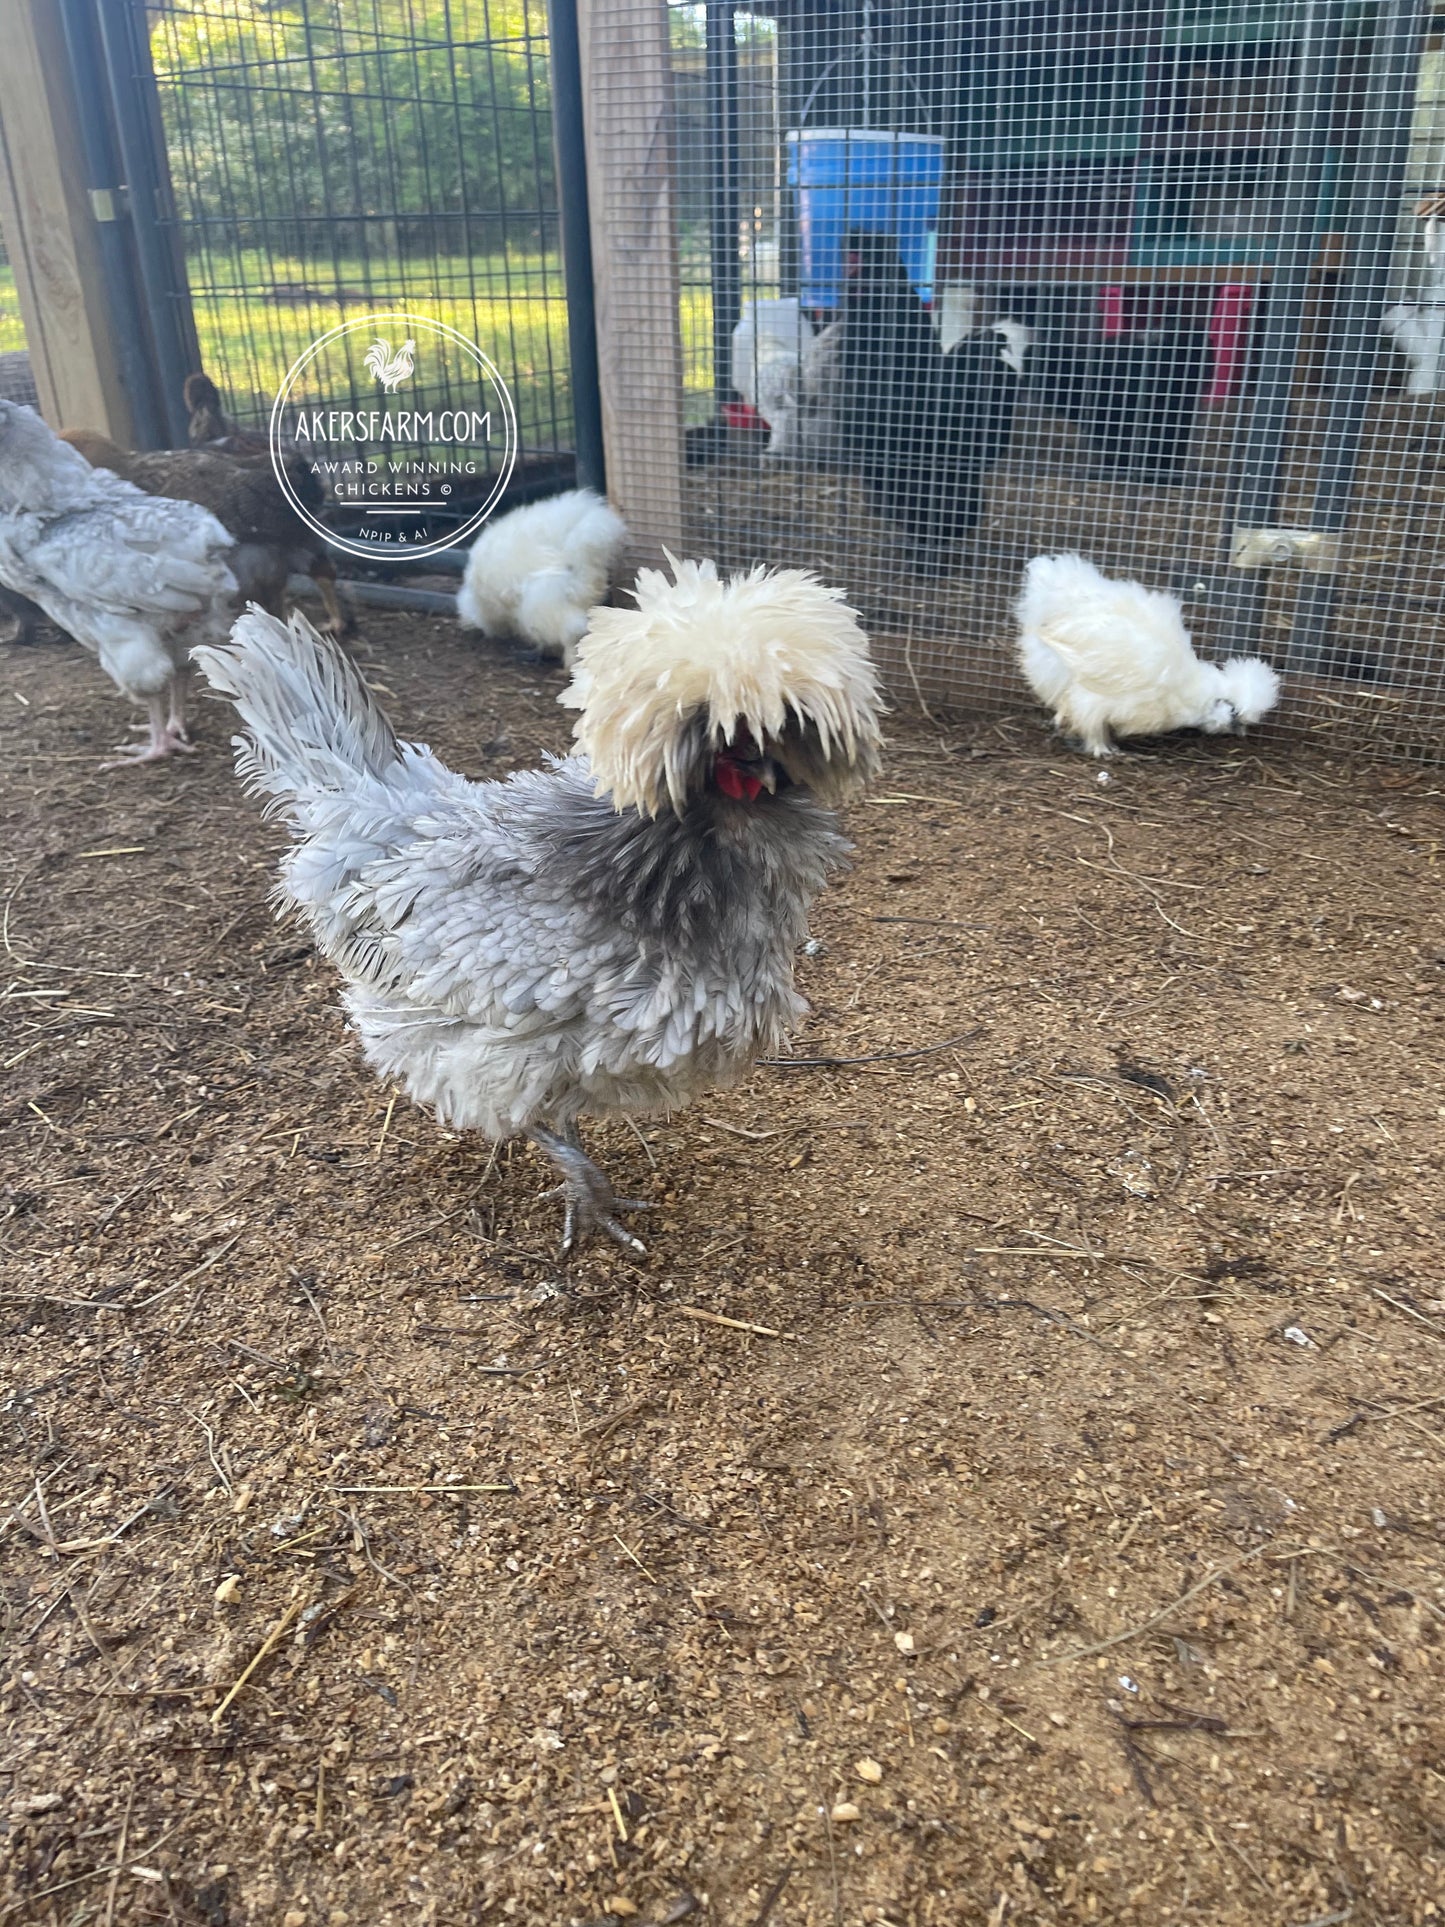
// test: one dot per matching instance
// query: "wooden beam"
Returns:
(632, 191)
(50, 228)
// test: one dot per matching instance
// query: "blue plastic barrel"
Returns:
(882, 182)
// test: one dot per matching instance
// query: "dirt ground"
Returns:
(1009, 1491)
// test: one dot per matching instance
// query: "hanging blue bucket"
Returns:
(881, 182)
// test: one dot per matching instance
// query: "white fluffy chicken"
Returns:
(613, 933)
(537, 573)
(1113, 658)
(1417, 328)
(135, 578)
(805, 428)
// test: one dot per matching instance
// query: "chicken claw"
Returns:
(127, 755)
(590, 1204)
(166, 734)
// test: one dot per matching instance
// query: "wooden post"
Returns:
(632, 192)
(50, 228)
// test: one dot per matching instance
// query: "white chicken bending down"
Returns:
(613, 933)
(537, 573)
(1114, 659)
(1417, 328)
(765, 357)
(136, 578)
(806, 428)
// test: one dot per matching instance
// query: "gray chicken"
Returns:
(134, 578)
(243, 494)
(612, 934)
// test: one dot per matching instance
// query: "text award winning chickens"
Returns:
(406, 427)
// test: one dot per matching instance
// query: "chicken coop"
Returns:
(1181, 265)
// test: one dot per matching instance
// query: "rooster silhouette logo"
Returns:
(391, 370)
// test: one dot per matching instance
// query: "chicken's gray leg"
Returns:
(176, 717)
(589, 1200)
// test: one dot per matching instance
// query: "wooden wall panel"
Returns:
(627, 94)
(50, 231)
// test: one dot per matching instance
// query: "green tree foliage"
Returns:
(372, 127)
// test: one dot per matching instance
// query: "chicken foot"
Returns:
(590, 1204)
(166, 731)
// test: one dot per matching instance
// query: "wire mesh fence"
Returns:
(339, 157)
(938, 286)
(17, 378)
(1162, 284)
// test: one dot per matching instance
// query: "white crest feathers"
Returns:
(761, 652)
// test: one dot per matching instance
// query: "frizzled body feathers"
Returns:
(520, 953)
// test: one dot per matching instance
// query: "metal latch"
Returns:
(1317, 550)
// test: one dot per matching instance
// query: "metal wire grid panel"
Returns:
(17, 382)
(1214, 221)
(338, 156)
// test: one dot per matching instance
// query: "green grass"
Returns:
(511, 304)
(12, 332)
(256, 312)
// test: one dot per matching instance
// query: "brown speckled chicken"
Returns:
(209, 426)
(207, 419)
(242, 493)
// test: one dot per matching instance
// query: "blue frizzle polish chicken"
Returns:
(613, 933)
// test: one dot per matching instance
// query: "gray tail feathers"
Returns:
(313, 729)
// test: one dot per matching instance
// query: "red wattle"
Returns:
(739, 784)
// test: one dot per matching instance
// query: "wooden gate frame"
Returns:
(632, 198)
(50, 229)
